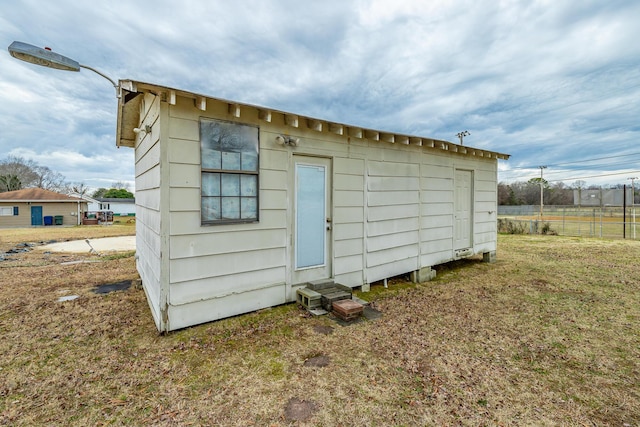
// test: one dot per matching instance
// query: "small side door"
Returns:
(463, 214)
(36, 215)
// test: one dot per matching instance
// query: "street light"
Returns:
(542, 168)
(633, 204)
(47, 58)
(461, 135)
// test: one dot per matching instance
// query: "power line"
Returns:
(578, 161)
(593, 176)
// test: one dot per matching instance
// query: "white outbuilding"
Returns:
(238, 206)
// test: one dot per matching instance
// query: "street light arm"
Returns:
(115, 85)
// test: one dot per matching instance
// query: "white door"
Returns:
(463, 202)
(312, 219)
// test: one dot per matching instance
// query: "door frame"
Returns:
(40, 222)
(324, 271)
(456, 202)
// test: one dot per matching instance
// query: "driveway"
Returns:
(106, 244)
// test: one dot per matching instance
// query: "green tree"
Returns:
(99, 193)
(117, 193)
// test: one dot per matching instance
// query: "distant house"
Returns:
(239, 206)
(36, 207)
(119, 207)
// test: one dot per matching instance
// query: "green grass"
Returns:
(547, 335)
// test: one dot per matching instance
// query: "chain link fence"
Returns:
(610, 222)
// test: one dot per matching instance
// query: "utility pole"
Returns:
(633, 204)
(542, 168)
(461, 135)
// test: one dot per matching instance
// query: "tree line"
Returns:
(17, 173)
(528, 193)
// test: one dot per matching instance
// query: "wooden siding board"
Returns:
(354, 167)
(149, 160)
(184, 129)
(222, 286)
(348, 231)
(391, 183)
(185, 176)
(348, 182)
(352, 279)
(348, 198)
(189, 223)
(185, 315)
(196, 245)
(273, 180)
(184, 151)
(193, 268)
(273, 200)
(391, 169)
(345, 215)
(381, 213)
(348, 264)
(392, 226)
(437, 209)
(436, 196)
(436, 221)
(437, 233)
(436, 246)
(274, 160)
(390, 198)
(184, 199)
(148, 180)
(388, 256)
(392, 241)
(349, 247)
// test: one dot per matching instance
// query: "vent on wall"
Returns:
(462, 253)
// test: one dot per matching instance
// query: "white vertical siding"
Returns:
(148, 219)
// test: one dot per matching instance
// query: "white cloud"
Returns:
(540, 80)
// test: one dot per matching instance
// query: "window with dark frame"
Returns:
(9, 211)
(229, 179)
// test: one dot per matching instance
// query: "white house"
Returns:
(119, 206)
(240, 205)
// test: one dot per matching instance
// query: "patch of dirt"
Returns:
(322, 329)
(318, 361)
(299, 410)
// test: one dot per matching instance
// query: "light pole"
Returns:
(47, 58)
(542, 168)
(633, 204)
(461, 136)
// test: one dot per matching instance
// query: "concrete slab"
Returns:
(106, 244)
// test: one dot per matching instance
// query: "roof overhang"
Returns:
(129, 118)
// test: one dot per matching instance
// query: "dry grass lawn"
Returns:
(548, 335)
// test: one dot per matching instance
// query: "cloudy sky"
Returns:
(553, 83)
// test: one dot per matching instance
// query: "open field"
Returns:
(548, 335)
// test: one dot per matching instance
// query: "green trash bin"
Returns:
(58, 219)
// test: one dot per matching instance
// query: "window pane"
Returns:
(249, 207)
(231, 161)
(210, 184)
(230, 184)
(249, 161)
(230, 208)
(210, 208)
(248, 185)
(211, 159)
